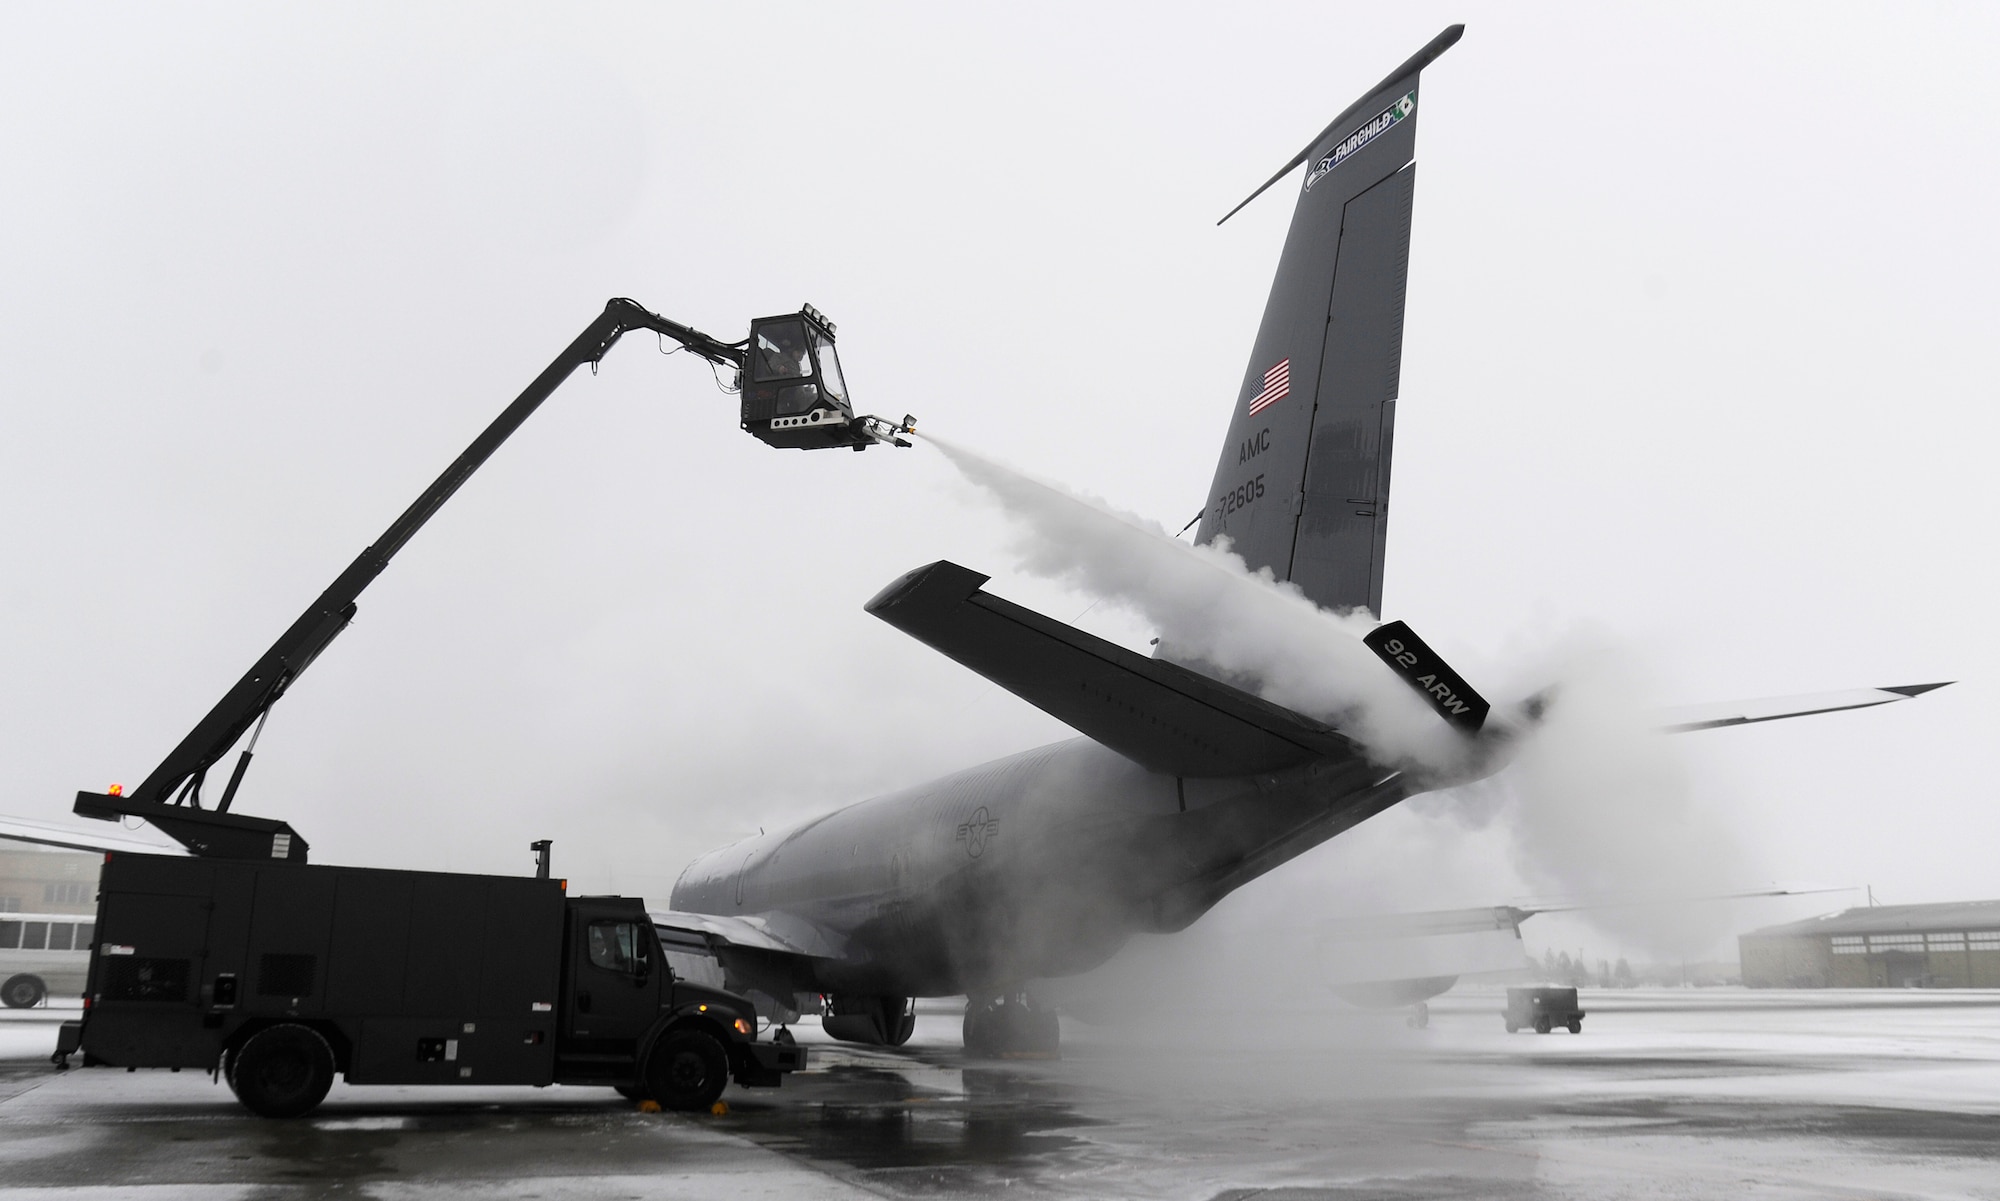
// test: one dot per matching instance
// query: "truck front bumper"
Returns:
(763, 1065)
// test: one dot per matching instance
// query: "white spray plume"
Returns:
(1604, 809)
(1209, 607)
(1597, 804)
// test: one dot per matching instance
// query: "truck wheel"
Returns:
(1542, 1025)
(23, 991)
(1576, 1025)
(1512, 1025)
(282, 1071)
(687, 1070)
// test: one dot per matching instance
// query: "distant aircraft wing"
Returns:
(1158, 714)
(1374, 927)
(1424, 923)
(49, 834)
(1743, 713)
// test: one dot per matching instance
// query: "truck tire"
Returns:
(23, 991)
(282, 1071)
(687, 1070)
(1542, 1025)
(1576, 1025)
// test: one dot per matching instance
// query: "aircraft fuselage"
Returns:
(1038, 865)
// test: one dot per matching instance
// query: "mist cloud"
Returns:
(1209, 607)
(1596, 803)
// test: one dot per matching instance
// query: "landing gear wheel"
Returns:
(23, 991)
(282, 1071)
(1009, 1027)
(687, 1070)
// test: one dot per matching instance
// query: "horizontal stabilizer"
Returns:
(1161, 716)
(1743, 713)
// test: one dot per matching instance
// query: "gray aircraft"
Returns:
(1182, 788)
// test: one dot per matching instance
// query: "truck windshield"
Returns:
(778, 351)
(616, 946)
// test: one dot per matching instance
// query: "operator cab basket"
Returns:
(793, 393)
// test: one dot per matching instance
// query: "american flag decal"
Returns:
(1277, 386)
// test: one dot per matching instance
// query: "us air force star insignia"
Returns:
(975, 834)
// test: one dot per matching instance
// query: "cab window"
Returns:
(829, 366)
(778, 351)
(617, 947)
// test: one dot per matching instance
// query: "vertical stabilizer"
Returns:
(1303, 483)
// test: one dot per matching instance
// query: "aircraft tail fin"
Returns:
(1302, 486)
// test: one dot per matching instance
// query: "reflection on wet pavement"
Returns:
(1743, 1100)
(952, 1125)
(1358, 1106)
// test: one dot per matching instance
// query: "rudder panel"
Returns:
(1337, 555)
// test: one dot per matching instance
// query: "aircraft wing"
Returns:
(778, 935)
(1743, 713)
(49, 834)
(1157, 714)
(769, 958)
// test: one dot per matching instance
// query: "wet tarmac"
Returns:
(1708, 1093)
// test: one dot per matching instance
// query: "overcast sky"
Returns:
(1699, 361)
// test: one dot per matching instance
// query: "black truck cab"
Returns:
(624, 1000)
(278, 975)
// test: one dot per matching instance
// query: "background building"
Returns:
(48, 881)
(1953, 945)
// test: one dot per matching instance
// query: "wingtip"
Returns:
(1916, 689)
(943, 583)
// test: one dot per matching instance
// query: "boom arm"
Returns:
(177, 781)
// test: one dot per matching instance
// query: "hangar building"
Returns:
(1954, 945)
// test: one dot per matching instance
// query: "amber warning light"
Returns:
(115, 790)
